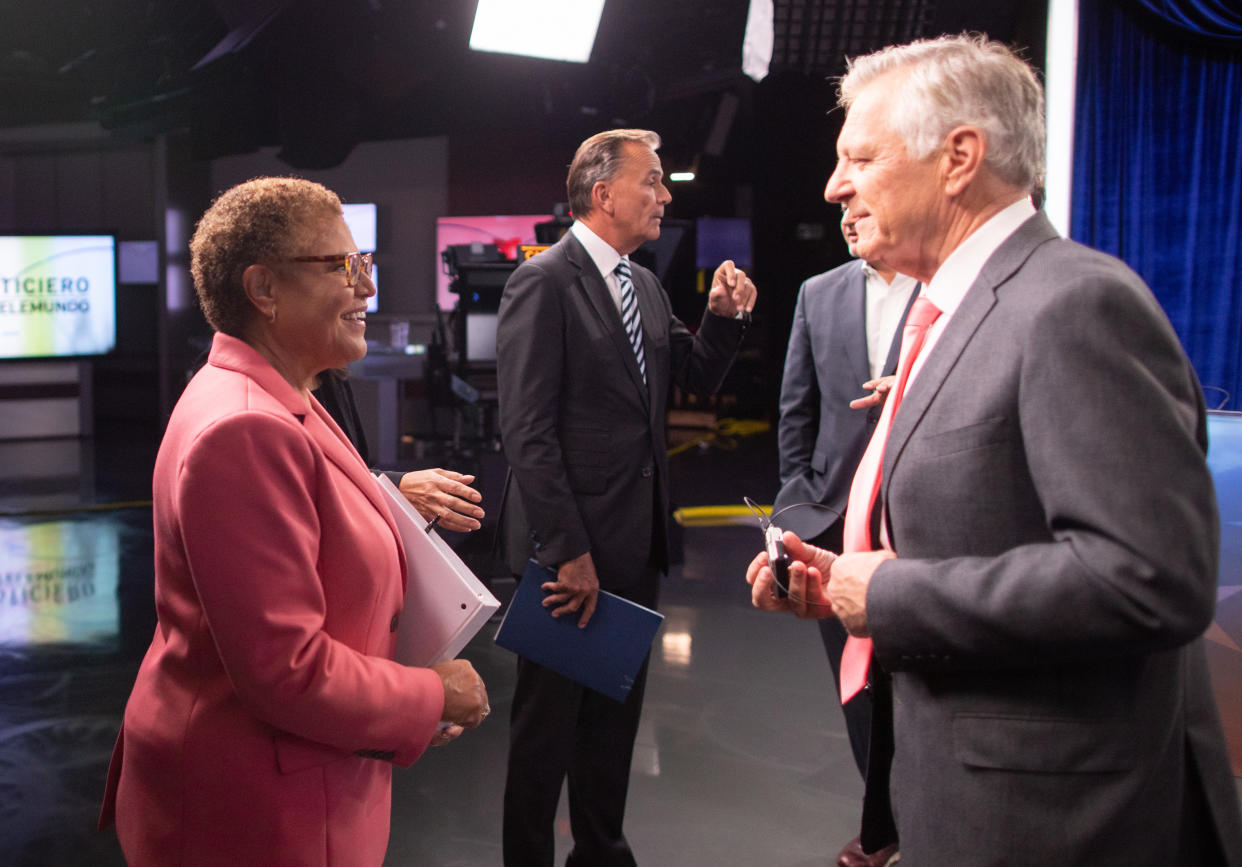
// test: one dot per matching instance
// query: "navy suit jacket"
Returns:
(821, 439)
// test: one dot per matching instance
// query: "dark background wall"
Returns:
(129, 116)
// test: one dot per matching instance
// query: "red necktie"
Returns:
(856, 658)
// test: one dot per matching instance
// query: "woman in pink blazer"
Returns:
(268, 713)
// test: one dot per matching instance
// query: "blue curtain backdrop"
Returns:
(1218, 20)
(1158, 167)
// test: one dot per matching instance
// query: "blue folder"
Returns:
(604, 656)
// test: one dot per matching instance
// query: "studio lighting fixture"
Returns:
(550, 29)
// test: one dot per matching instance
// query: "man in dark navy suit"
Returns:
(845, 338)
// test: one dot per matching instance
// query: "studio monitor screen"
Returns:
(57, 295)
(362, 220)
(504, 233)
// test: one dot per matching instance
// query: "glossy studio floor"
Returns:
(741, 758)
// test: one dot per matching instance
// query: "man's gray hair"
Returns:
(955, 80)
(598, 159)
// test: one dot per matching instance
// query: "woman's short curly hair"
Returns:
(258, 221)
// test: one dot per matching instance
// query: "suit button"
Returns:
(392, 627)
(648, 472)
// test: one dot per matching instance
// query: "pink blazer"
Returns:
(267, 713)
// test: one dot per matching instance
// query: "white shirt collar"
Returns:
(885, 304)
(958, 272)
(900, 282)
(600, 251)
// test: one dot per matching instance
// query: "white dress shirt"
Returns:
(885, 304)
(604, 257)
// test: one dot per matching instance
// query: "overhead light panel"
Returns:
(551, 29)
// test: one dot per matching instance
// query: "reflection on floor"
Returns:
(75, 616)
(742, 758)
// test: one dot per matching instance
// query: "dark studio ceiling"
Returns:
(317, 76)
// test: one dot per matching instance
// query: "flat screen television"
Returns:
(57, 295)
(362, 220)
(504, 233)
(1224, 459)
(720, 238)
(1224, 635)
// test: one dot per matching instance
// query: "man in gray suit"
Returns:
(587, 348)
(845, 336)
(1045, 533)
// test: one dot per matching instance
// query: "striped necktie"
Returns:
(629, 315)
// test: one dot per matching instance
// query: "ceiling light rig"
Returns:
(549, 29)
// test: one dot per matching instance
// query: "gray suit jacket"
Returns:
(1057, 542)
(821, 439)
(585, 439)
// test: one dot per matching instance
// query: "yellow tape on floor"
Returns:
(715, 516)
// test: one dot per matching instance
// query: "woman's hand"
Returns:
(465, 696)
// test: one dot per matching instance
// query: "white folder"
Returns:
(445, 603)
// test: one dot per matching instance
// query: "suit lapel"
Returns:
(595, 290)
(970, 314)
(340, 452)
(852, 326)
(234, 354)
